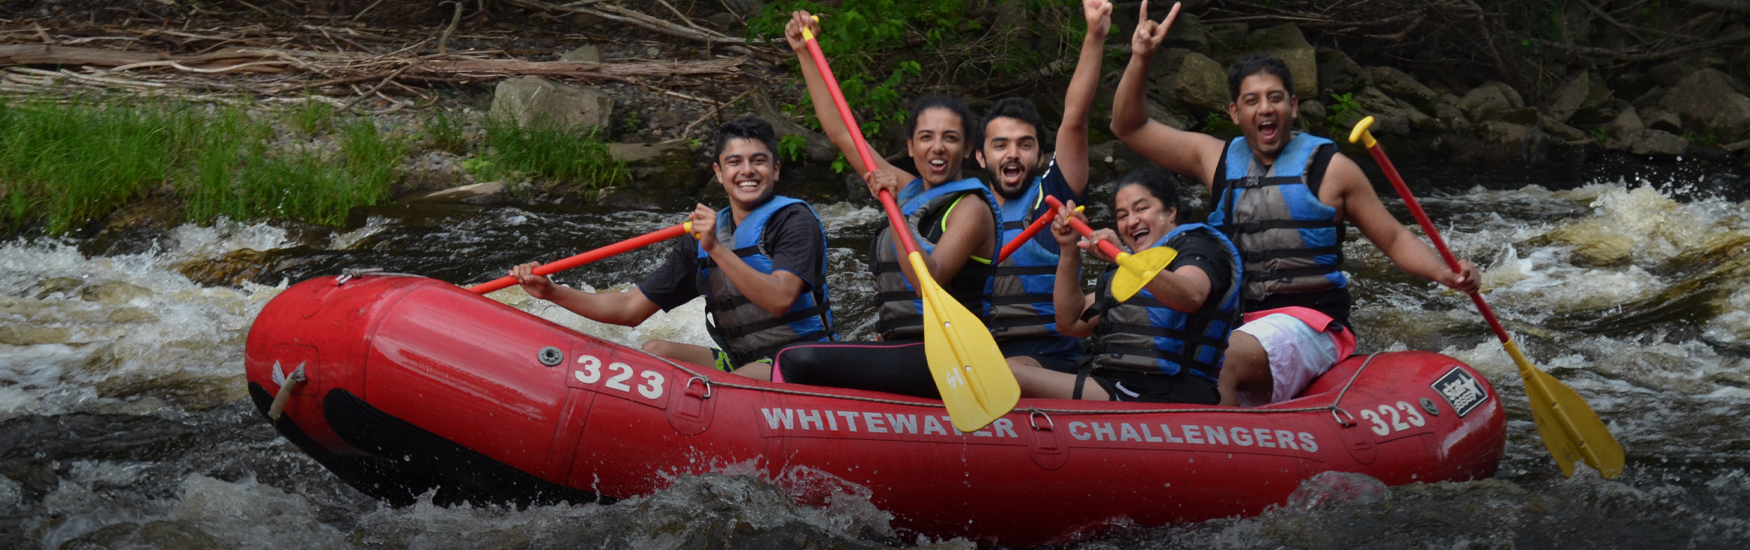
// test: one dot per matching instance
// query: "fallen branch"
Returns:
(632, 17)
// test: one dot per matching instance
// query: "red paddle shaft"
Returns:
(627, 245)
(1105, 246)
(1027, 234)
(900, 230)
(1397, 182)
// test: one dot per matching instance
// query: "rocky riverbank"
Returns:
(653, 79)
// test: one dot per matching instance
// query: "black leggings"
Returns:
(892, 367)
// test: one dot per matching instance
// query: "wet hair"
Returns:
(747, 127)
(1157, 183)
(1018, 108)
(1254, 64)
(928, 102)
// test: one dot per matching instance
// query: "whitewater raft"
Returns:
(403, 385)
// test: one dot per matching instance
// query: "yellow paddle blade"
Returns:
(1139, 269)
(1567, 424)
(974, 379)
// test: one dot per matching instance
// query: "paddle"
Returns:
(1569, 427)
(970, 372)
(1138, 269)
(627, 245)
(1027, 234)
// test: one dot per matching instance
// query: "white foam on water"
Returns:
(837, 217)
(89, 334)
(10, 493)
(684, 324)
(345, 241)
(248, 514)
(1733, 323)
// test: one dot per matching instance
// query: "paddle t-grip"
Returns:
(1106, 248)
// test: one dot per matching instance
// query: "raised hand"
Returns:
(1149, 34)
(1099, 16)
(1092, 244)
(883, 179)
(704, 227)
(537, 286)
(1060, 228)
(799, 20)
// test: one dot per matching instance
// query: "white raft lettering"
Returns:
(1191, 435)
(1263, 436)
(1005, 426)
(1078, 430)
(850, 419)
(872, 420)
(1167, 432)
(1103, 431)
(1146, 436)
(803, 418)
(903, 423)
(932, 426)
(1128, 433)
(1286, 439)
(832, 422)
(1307, 444)
(773, 416)
(1215, 433)
(1242, 437)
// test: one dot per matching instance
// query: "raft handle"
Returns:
(707, 382)
(1033, 413)
(279, 401)
(1350, 423)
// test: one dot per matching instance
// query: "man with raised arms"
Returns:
(1022, 313)
(953, 219)
(1283, 198)
(761, 265)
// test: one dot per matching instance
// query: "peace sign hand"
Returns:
(1149, 34)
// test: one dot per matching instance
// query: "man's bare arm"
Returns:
(1360, 205)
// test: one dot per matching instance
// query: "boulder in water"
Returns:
(1652, 142)
(1584, 94)
(1338, 74)
(1402, 86)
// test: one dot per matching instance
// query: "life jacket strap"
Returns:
(1262, 255)
(1023, 321)
(1275, 274)
(794, 316)
(1262, 226)
(1183, 360)
(1180, 335)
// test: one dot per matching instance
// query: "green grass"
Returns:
(443, 133)
(65, 165)
(567, 161)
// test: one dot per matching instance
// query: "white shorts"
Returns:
(1298, 355)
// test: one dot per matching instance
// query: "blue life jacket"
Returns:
(1142, 334)
(1021, 287)
(1291, 242)
(898, 307)
(744, 330)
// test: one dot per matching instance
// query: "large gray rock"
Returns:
(1313, 112)
(1417, 119)
(1223, 37)
(1562, 133)
(1660, 119)
(1709, 104)
(528, 100)
(1623, 128)
(1388, 117)
(1338, 74)
(1657, 142)
(1196, 80)
(583, 54)
(1287, 43)
(1513, 97)
(1585, 92)
(1669, 74)
(1513, 141)
(1402, 86)
(1484, 103)
(1188, 33)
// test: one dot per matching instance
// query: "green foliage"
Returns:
(1708, 139)
(792, 148)
(1342, 113)
(65, 165)
(312, 117)
(860, 38)
(1219, 124)
(566, 160)
(443, 133)
(1599, 134)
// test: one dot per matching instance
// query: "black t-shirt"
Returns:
(792, 238)
(1201, 249)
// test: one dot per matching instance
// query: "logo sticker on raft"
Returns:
(930, 427)
(1460, 390)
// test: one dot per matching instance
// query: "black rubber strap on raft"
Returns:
(1003, 270)
(750, 328)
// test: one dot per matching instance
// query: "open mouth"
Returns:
(1268, 130)
(747, 185)
(938, 164)
(1012, 172)
(1137, 236)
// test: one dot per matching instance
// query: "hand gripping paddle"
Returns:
(970, 372)
(621, 247)
(1137, 269)
(1569, 427)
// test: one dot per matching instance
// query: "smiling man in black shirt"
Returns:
(760, 264)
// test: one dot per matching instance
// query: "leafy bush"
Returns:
(568, 161)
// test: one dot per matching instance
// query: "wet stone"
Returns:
(113, 292)
(33, 335)
(57, 284)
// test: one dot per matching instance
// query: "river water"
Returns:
(124, 421)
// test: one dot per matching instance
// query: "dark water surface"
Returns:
(124, 423)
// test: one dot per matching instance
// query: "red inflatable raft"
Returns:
(410, 385)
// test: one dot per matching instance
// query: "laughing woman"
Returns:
(953, 219)
(1165, 343)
